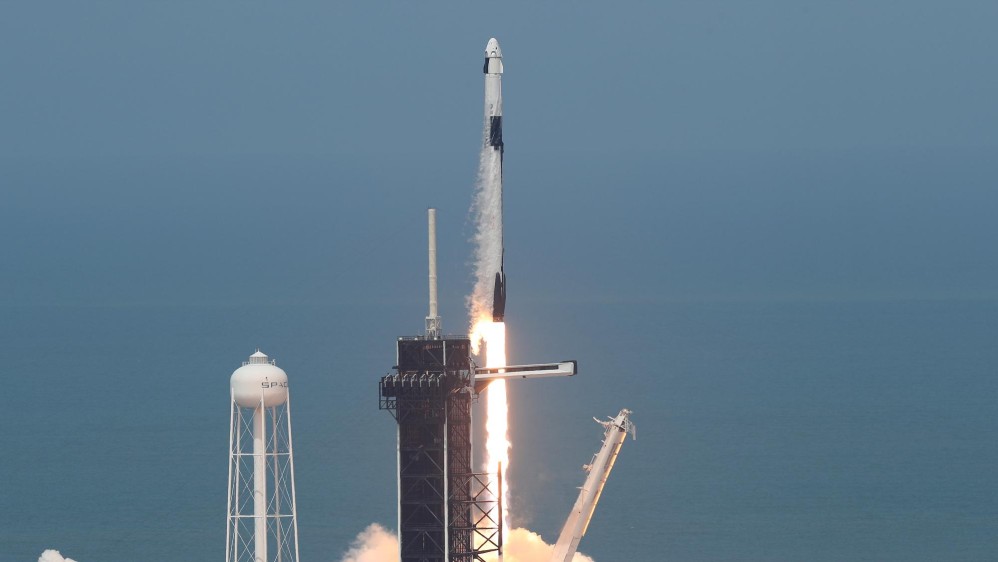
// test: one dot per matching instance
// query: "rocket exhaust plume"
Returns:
(487, 302)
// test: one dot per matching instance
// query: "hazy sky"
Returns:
(177, 152)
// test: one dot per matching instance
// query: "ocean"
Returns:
(769, 430)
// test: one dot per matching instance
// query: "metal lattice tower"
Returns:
(262, 522)
(444, 507)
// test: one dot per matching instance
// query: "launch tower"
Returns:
(444, 506)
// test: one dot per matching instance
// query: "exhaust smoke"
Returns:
(376, 544)
(53, 556)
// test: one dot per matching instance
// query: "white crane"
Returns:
(599, 470)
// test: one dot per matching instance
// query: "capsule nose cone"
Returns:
(492, 50)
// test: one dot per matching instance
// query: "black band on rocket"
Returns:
(495, 131)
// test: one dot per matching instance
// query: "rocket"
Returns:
(493, 140)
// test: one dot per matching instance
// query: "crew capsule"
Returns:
(493, 58)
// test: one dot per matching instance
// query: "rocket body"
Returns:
(493, 140)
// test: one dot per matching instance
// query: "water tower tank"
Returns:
(259, 378)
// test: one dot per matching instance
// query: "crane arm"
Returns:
(599, 470)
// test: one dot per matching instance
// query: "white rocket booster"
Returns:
(493, 139)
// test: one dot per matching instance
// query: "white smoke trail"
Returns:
(53, 556)
(487, 214)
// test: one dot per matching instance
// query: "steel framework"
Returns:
(273, 530)
(444, 506)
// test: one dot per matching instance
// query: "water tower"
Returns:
(262, 522)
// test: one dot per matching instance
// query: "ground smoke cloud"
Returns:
(376, 544)
(526, 546)
(373, 544)
(53, 556)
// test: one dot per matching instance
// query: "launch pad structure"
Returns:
(447, 511)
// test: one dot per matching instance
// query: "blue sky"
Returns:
(206, 152)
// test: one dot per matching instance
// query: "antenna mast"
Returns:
(433, 324)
